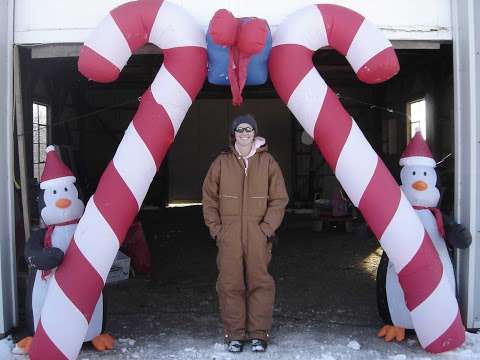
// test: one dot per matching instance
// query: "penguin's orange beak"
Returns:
(62, 203)
(420, 185)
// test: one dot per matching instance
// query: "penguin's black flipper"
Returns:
(41, 258)
(382, 302)
(456, 235)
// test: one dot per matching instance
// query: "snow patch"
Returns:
(469, 350)
(218, 347)
(398, 357)
(354, 345)
(128, 341)
(327, 357)
(411, 342)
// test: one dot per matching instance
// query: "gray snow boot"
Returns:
(235, 346)
(259, 345)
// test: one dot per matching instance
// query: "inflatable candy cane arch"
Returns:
(363, 175)
(77, 284)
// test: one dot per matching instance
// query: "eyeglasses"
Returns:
(246, 129)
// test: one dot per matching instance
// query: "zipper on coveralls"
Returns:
(244, 197)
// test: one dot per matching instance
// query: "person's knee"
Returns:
(260, 280)
(230, 286)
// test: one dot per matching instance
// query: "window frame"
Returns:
(410, 122)
(36, 145)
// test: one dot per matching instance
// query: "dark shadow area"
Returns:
(322, 278)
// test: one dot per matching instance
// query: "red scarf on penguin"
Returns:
(47, 240)
(245, 37)
(437, 213)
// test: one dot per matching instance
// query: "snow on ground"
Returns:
(287, 345)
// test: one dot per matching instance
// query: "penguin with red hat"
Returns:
(418, 183)
(60, 210)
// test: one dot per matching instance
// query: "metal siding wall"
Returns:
(8, 311)
(466, 47)
(475, 176)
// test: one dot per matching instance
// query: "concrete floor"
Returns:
(333, 270)
(322, 278)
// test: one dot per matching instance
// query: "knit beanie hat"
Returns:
(244, 119)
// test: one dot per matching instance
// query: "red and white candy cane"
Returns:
(363, 175)
(79, 280)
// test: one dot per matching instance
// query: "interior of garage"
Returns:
(330, 261)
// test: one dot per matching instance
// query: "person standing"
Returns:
(244, 200)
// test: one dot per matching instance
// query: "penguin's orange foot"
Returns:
(23, 346)
(390, 332)
(103, 342)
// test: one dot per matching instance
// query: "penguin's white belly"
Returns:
(61, 238)
(62, 235)
(95, 325)
(395, 296)
(396, 300)
(39, 292)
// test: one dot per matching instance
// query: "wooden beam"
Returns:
(46, 51)
(21, 141)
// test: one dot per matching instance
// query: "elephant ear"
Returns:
(252, 36)
(223, 28)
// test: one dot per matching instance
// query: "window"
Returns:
(40, 138)
(417, 117)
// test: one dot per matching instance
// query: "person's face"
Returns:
(244, 134)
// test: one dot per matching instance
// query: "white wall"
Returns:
(466, 49)
(70, 21)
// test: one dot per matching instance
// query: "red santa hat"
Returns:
(417, 152)
(55, 171)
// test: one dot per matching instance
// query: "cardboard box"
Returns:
(120, 269)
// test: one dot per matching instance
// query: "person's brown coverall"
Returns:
(242, 209)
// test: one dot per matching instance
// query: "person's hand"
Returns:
(266, 229)
(273, 239)
(270, 235)
(215, 234)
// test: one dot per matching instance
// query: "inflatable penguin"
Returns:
(60, 210)
(418, 178)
